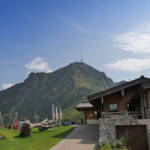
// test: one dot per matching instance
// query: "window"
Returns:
(113, 107)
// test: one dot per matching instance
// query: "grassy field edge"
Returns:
(38, 141)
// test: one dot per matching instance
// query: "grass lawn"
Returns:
(38, 141)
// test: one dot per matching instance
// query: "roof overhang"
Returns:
(140, 81)
(84, 106)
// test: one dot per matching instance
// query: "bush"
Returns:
(120, 145)
(122, 142)
(26, 130)
(106, 146)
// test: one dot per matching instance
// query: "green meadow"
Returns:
(37, 141)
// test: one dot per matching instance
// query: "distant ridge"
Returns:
(121, 82)
(65, 87)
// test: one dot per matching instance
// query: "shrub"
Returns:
(26, 130)
(121, 142)
(120, 145)
(106, 146)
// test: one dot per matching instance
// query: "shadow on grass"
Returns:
(34, 132)
(21, 137)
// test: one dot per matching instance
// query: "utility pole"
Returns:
(16, 117)
(1, 119)
(37, 117)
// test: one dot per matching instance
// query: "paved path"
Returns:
(82, 138)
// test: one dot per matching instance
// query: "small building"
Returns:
(91, 114)
(125, 106)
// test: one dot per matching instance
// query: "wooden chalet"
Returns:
(120, 108)
(132, 97)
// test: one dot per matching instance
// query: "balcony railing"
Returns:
(135, 114)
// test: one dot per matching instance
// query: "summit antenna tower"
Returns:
(81, 57)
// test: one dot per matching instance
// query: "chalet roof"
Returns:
(146, 85)
(140, 81)
(84, 106)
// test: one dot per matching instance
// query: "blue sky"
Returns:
(45, 35)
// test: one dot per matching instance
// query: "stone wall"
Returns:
(107, 130)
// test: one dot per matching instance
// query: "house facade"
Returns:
(123, 106)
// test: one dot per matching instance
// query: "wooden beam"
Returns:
(142, 107)
(122, 92)
(145, 103)
(102, 100)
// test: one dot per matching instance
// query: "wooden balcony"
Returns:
(135, 114)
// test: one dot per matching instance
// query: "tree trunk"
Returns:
(26, 129)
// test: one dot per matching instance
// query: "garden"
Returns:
(38, 140)
(121, 144)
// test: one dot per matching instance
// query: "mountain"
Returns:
(121, 82)
(65, 87)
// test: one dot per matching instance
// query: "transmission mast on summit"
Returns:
(81, 57)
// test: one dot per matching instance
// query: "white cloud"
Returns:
(38, 64)
(137, 41)
(6, 86)
(130, 64)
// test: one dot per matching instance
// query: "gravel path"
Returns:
(82, 138)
